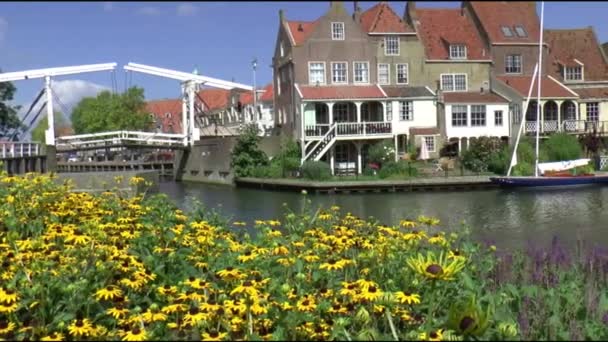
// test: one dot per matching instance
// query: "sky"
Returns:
(220, 39)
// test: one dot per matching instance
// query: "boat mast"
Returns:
(540, 72)
(523, 121)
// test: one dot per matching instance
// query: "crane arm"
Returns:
(185, 77)
(41, 73)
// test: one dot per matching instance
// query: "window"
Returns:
(520, 31)
(389, 111)
(384, 75)
(406, 111)
(402, 74)
(454, 82)
(341, 112)
(361, 72)
(430, 143)
(593, 113)
(506, 30)
(573, 73)
(516, 113)
(337, 31)
(513, 64)
(478, 115)
(282, 50)
(498, 118)
(279, 84)
(391, 46)
(316, 72)
(339, 72)
(458, 51)
(459, 116)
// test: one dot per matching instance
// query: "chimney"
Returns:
(356, 11)
(410, 15)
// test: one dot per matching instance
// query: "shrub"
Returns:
(246, 154)
(477, 157)
(523, 169)
(562, 146)
(400, 169)
(381, 152)
(316, 170)
(288, 159)
(274, 170)
(499, 161)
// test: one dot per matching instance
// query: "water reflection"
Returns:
(509, 218)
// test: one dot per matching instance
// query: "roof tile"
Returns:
(400, 91)
(340, 92)
(301, 30)
(580, 44)
(473, 97)
(496, 14)
(549, 87)
(382, 19)
(592, 93)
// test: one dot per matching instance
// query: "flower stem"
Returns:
(390, 323)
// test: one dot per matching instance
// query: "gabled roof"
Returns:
(340, 92)
(441, 27)
(581, 44)
(493, 15)
(172, 122)
(214, 98)
(549, 87)
(382, 19)
(473, 97)
(301, 30)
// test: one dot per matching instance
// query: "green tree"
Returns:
(246, 154)
(43, 124)
(111, 112)
(562, 146)
(288, 159)
(8, 114)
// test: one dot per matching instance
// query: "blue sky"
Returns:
(219, 38)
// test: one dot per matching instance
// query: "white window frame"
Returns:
(523, 30)
(453, 82)
(407, 73)
(504, 29)
(485, 116)
(355, 72)
(406, 111)
(433, 140)
(571, 71)
(502, 118)
(588, 106)
(388, 73)
(466, 116)
(458, 51)
(392, 40)
(389, 111)
(310, 81)
(513, 64)
(332, 73)
(334, 33)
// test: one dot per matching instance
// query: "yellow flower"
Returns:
(407, 297)
(230, 273)
(8, 296)
(370, 293)
(6, 327)
(407, 223)
(247, 288)
(80, 327)
(214, 336)
(280, 250)
(306, 304)
(10, 199)
(169, 309)
(434, 267)
(331, 264)
(117, 313)
(135, 334)
(108, 293)
(247, 256)
(150, 316)
(239, 223)
(8, 308)
(432, 336)
(53, 337)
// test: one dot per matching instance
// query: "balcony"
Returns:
(568, 126)
(351, 130)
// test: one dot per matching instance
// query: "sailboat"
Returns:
(552, 174)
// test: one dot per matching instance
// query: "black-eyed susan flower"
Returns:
(247, 256)
(117, 312)
(80, 327)
(53, 337)
(135, 334)
(167, 290)
(6, 327)
(108, 293)
(433, 267)
(436, 335)
(214, 335)
(8, 308)
(306, 304)
(230, 273)
(8, 296)
(370, 294)
(407, 297)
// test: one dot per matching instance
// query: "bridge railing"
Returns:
(11, 149)
(120, 137)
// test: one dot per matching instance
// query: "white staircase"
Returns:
(322, 145)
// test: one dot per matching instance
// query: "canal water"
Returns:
(506, 218)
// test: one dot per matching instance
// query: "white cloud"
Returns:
(3, 28)
(108, 6)
(69, 92)
(148, 10)
(186, 9)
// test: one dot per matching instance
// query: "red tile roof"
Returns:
(495, 14)
(171, 123)
(441, 27)
(382, 19)
(580, 44)
(592, 93)
(340, 92)
(214, 98)
(246, 98)
(268, 95)
(301, 30)
(424, 130)
(549, 87)
(473, 97)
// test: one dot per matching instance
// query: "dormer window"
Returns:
(337, 31)
(520, 31)
(168, 115)
(573, 73)
(458, 51)
(506, 30)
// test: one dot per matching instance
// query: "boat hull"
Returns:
(548, 181)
